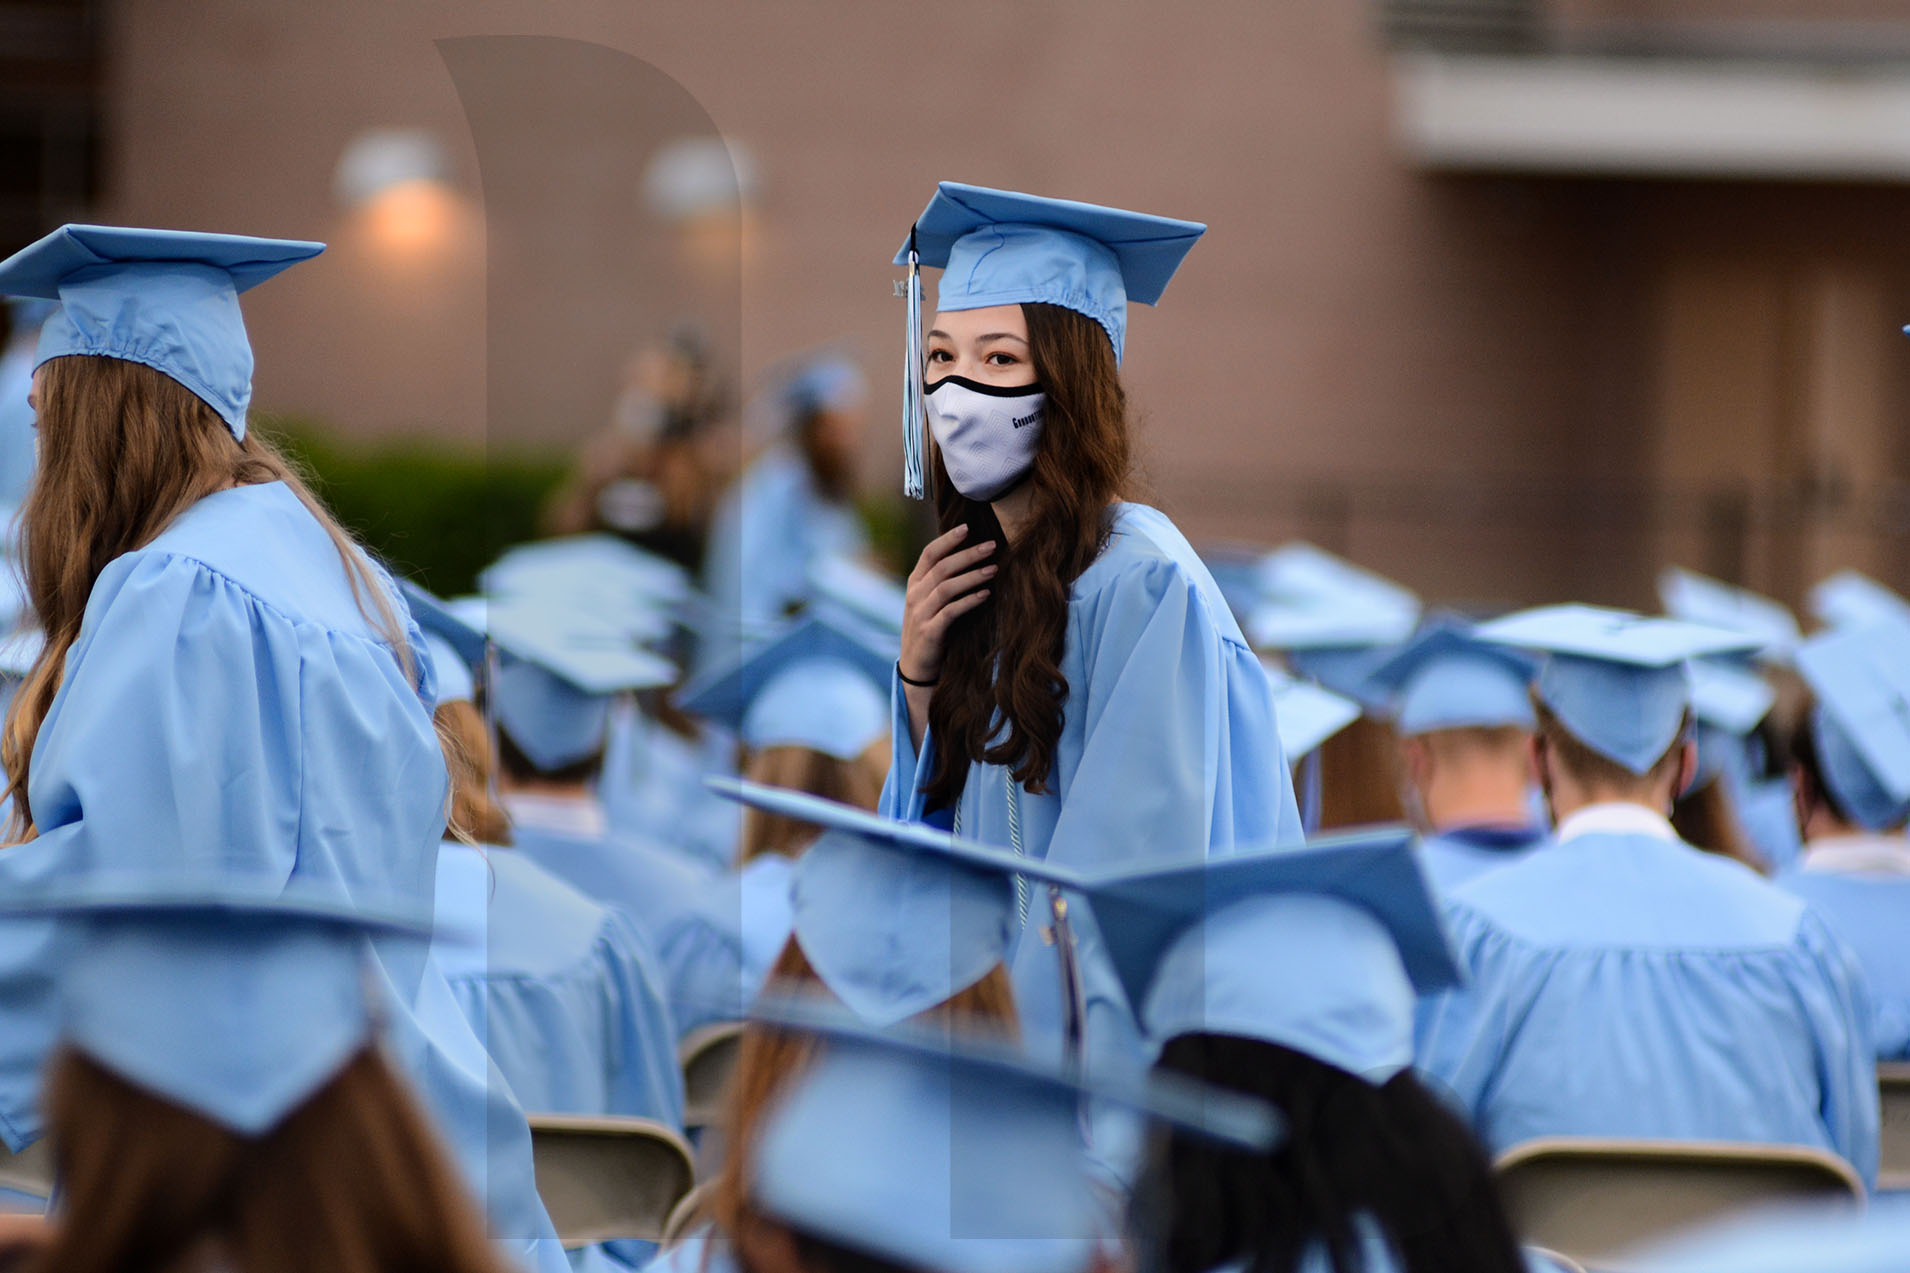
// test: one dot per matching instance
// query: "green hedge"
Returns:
(437, 513)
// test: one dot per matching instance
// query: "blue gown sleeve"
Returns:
(1836, 1002)
(901, 794)
(203, 742)
(1178, 750)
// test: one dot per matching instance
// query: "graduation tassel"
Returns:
(914, 419)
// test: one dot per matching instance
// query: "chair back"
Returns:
(708, 1057)
(1893, 1087)
(30, 1171)
(607, 1177)
(1592, 1199)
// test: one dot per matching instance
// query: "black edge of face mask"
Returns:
(992, 391)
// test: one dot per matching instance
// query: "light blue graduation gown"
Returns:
(1871, 912)
(17, 450)
(1461, 854)
(1627, 985)
(652, 789)
(771, 526)
(231, 718)
(565, 993)
(1167, 748)
(676, 906)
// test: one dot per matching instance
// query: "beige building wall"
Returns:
(1479, 385)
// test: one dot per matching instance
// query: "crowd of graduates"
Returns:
(1083, 901)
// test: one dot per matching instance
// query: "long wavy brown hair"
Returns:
(1001, 663)
(770, 1059)
(475, 817)
(352, 1181)
(123, 451)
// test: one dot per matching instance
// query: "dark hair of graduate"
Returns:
(123, 451)
(1704, 817)
(1393, 1153)
(351, 1181)
(769, 1060)
(1001, 662)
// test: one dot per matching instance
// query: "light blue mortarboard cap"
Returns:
(1445, 679)
(956, 1157)
(1306, 715)
(232, 1003)
(817, 686)
(997, 247)
(895, 917)
(825, 382)
(168, 299)
(612, 583)
(1321, 949)
(435, 617)
(1615, 679)
(554, 685)
(451, 674)
(856, 596)
(1335, 622)
(1861, 720)
(1697, 598)
(1729, 696)
(1850, 599)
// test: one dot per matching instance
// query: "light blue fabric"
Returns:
(1000, 247)
(1701, 599)
(701, 1252)
(1824, 1239)
(652, 789)
(1460, 854)
(770, 530)
(1168, 746)
(166, 298)
(1768, 809)
(1851, 599)
(1871, 913)
(766, 913)
(677, 906)
(1860, 723)
(1624, 985)
(1307, 714)
(18, 452)
(820, 685)
(230, 714)
(1444, 679)
(565, 993)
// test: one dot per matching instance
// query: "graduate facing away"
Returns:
(1071, 681)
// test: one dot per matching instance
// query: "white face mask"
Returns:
(988, 434)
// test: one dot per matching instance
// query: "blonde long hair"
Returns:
(123, 451)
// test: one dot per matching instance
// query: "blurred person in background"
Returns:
(810, 712)
(653, 476)
(565, 992)
(20, 320)
(794, 504)
(229, 685)
(1463, 712)
(1071, 681)
(1621, 981)
(1273, 977)
(1850, 762)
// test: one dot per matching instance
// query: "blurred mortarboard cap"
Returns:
(895, 917)
(1616, 680)
(615, 583)
(1299, 571)
(553, 688)
(825, 382)
(451, 673)
(816, 686)
(956, 1156)
(1697, 598)
(1444, 678)
(1850, 599)
(998, 247)
(168, 299)
(1305, 714)
(435, 617)
(849, 592)
(1861, 720)
(230, 998)
(1321, 949)
(1336, 622)
(1728, 696)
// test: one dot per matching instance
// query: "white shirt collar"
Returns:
(1862, 853)
(581, 816)
(1616, 817)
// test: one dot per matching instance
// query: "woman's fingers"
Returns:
(938, 548)
(956, 609)
(949, 590)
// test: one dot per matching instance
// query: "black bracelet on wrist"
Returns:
(909, 680)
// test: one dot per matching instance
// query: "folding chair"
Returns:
(607, 1177)
(1592, 1199)
(30, 1171)
(1893, 1086)
(690, 1214)
(708, 1057)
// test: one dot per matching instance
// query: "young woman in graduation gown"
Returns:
(231, 692)
(1071, 681)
